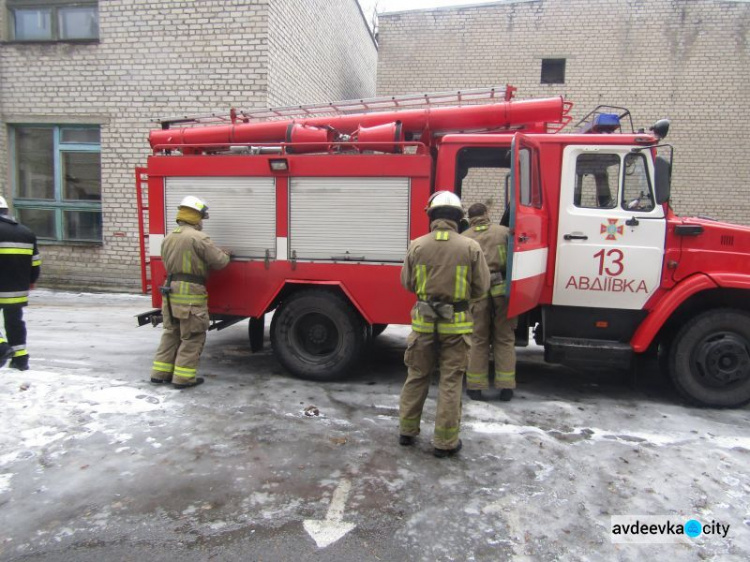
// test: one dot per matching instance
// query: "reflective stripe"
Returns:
(446, 433)
(462, 282)
(184, 372)
(16, 251)
(421, 274)
(17, 300)
(409, 424)
(507, 376)
(502, 254)
(8, 294)
(36, 260)
(498, 290)
(186, 262)
(442, 235)
(447, 328)
(163, 367)
(20, 352)
(17, 245)
(3, 340)
(481, 227)
(187, 299)
(476, 378)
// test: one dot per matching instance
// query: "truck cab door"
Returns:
(611, 230)
(527, 244)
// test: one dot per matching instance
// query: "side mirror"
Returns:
(663, 179)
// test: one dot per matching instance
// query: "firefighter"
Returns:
(19, 269)
(188, 254)
(491, 324)
(445, 270)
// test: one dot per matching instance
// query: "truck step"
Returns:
(588, 352)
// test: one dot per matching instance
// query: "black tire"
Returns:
(378, 329)
(710, 359)
(317, 335)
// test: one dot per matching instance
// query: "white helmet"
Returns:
(446, 200)
(192, 202)
(3, 203)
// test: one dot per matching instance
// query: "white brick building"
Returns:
(687, 60)
(80, 81)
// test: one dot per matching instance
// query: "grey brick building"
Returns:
(687, 60)
(80, 81)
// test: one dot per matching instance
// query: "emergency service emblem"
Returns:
(612, 229)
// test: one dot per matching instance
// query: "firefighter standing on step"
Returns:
(188, 254)
(445, 270)
(19, 269)
(491, 323)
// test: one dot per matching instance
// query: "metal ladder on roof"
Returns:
(392, 103)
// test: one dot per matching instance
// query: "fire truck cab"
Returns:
(319, 204)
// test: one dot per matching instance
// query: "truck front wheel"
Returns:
(710, 359)
(317, 335)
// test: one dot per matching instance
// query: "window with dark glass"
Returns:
(53, 20)
(57, 181)
(553, 71)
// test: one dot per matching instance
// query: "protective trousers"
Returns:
(423, 352)
(492, 327)
(15, 329)
(181, 343)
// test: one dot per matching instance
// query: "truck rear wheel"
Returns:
(710, 359)
(317, 335)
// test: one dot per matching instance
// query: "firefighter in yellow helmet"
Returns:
(445, 270)
(491, 323)
(188, 255)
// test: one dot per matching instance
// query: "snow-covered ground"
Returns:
(97, 464)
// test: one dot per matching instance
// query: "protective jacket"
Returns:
(493, 240)
(444, 268)
(20, 263)
(188, 255)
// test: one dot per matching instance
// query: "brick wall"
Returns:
(163, 58)
(320, 51)
(685, 60)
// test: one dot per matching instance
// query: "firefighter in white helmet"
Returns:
(445, 270)
(188, 255)
(19, 269)
(491, 323)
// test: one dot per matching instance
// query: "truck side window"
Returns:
(597, 179)
(636, 193)
(531, 187)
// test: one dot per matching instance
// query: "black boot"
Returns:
(506, 394)
(6, 352)
(442, 453)
(406, 440)
(21, 363)
(474, 394)
(197, 381)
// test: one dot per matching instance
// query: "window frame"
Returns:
(59, 204)
(54, 7)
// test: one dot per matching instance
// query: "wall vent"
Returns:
(727, 240)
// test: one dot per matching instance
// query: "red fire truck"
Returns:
(319, 203)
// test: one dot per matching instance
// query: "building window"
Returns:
(553, 71)
(57, 181)
(53, 20)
